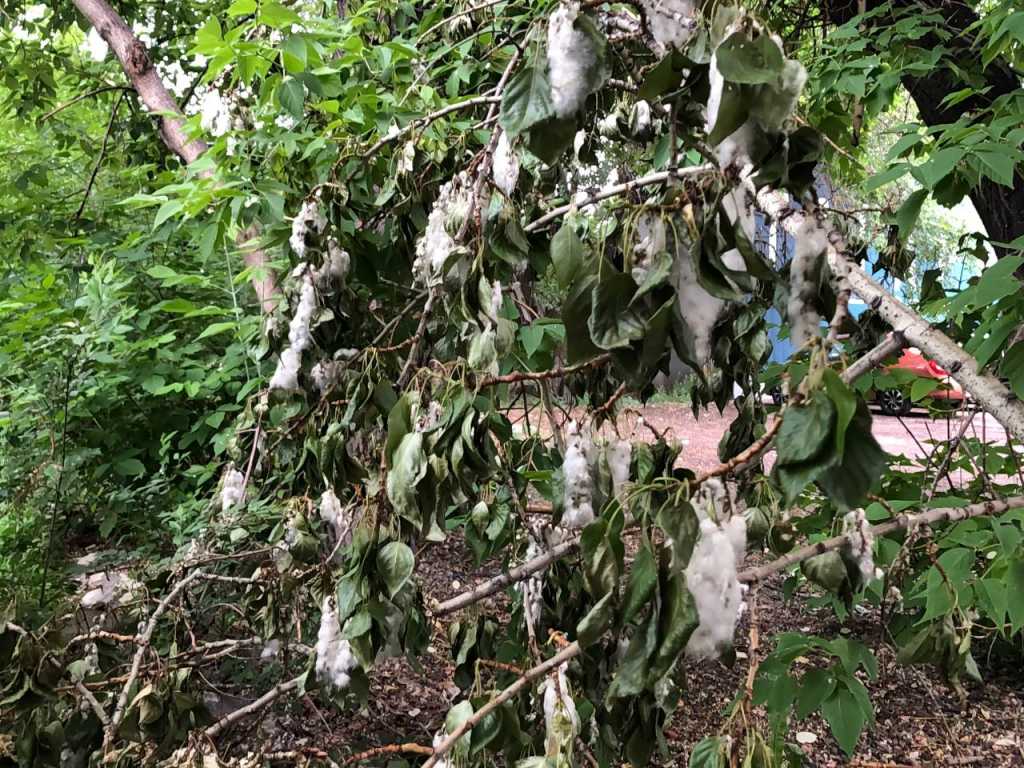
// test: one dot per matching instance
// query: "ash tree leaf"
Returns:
(907, 215)
(395, 563)
(527, 100)
(129, 467)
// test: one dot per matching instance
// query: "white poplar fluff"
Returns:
(561, 721)
(672, 22)
(215, 117)
(619, 453)
(324, 375)
(334, 659)
(571, 55)
(811, 243)
(95, 45)
(308, 218)
(773, 107)
(711, 579)
(332, 513)
(711, 501)
(505, 165)
(299, 338)
(445, 760)
(532, 589)
(435, 246)
(698, 308)
(860, 542)
(650, 233)
(232, 488)
(334, 268)
(579, 508)
(106, 588)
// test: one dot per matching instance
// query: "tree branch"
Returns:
(748, 576)
(621, 189)
(990, 393)
(140, 652)
(553, 373)
(571, 650)
(426, 120)
(143, 76)
(253, 707)
(903, 522)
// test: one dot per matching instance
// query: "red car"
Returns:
(896, 402)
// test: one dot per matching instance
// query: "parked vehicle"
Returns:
(897, 400)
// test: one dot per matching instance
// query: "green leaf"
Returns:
(733, 110)
(291, 94)
(129, 467)
(168, 209)
(827, 570)
(907, 215)
(751, 62)
(526, 101)
(844, 716)
(597, 621)
(676, 622)
(845, 401)
(549, 138)
(805, 429)
(665, 76)
(848, 480)
(885, 177)
(709, 752)
(938, 166)
(293, 53)
(815, 686)
(395, 563)
(575, 315)
(408, 468)
(613, 321)
(1015, 595)
(567, 254)
(921, 388)
(643, 580)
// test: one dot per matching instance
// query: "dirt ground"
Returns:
(919, 720)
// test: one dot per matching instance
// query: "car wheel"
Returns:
(894, 403)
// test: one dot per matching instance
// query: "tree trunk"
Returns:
(154, 94)
(1001, 208)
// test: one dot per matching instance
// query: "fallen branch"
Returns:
(990, 393)
(93, 702)
(621, 189)
(890, 345)
(573, 649)
(751, 575)
(140, 652)
(901, 523)
(253, 707)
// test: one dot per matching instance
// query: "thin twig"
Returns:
(554, 373)
(93, 702)
(86, 95)
(409, 748)
(426, 120)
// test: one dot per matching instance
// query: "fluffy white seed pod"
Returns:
(561, 721)
(579, 508)
(860, 542)
(505, 165)
(571, 55)
(811, 243)
(232, 488)
(334, 658)
(286, 376)
(717, 594)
